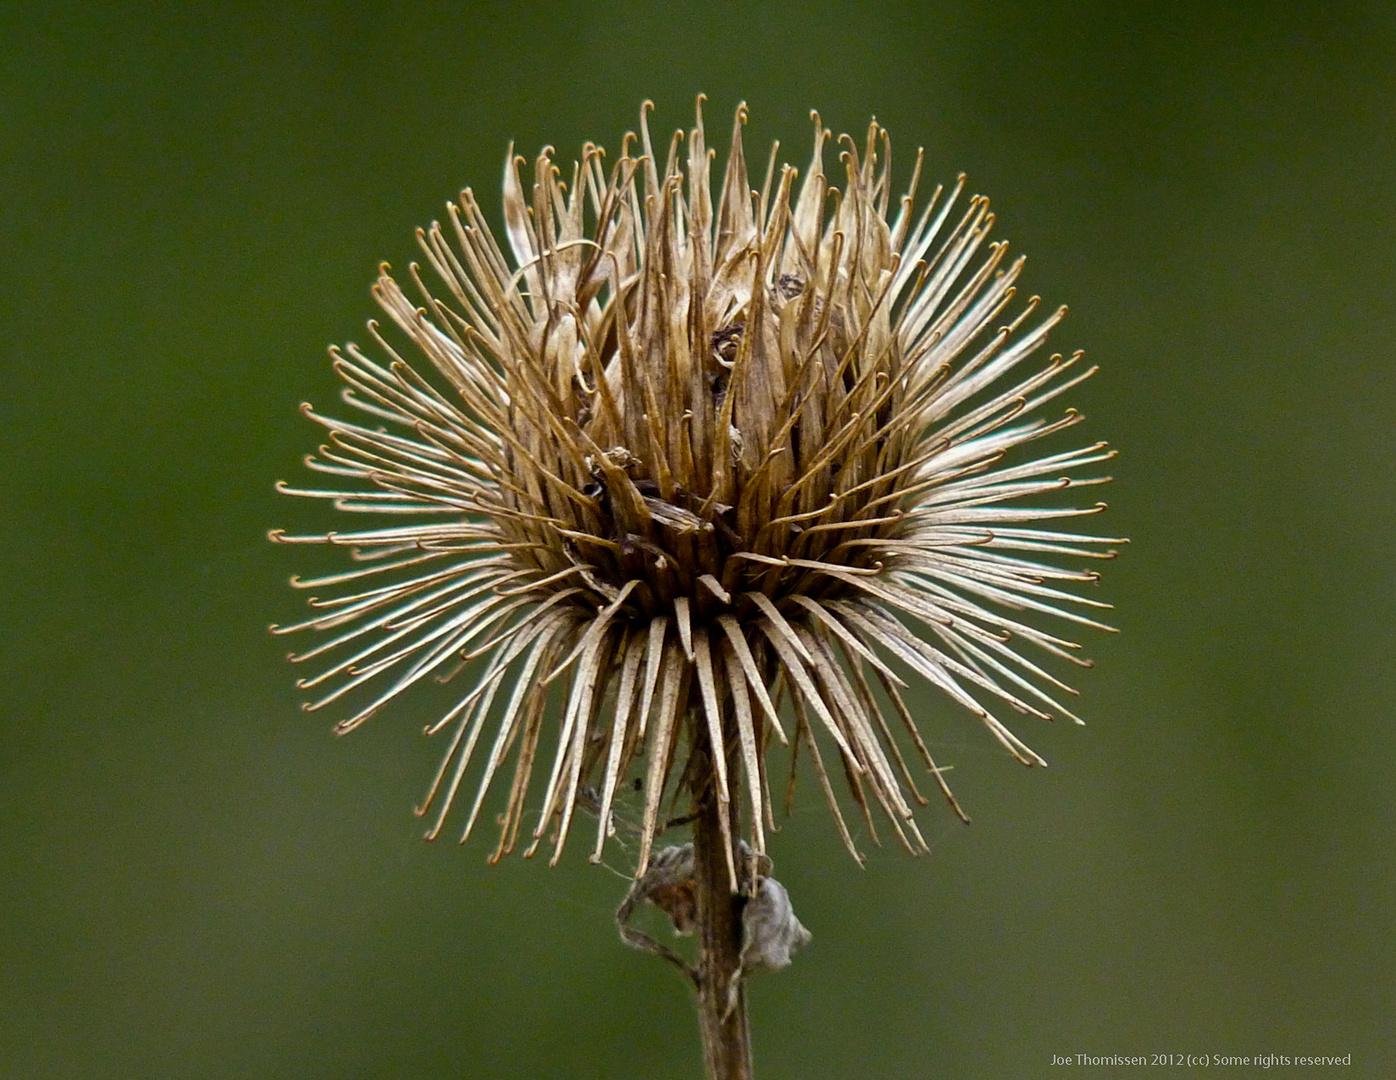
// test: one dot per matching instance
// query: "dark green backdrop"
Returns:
(196, 880)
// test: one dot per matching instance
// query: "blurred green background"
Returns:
(196, 880)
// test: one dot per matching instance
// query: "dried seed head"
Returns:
(685, 460)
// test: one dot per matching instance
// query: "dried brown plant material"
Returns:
(663, 452)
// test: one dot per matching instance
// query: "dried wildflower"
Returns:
(683, 460)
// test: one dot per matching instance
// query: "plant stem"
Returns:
(726, 1036)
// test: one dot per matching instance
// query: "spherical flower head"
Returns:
(672, 463)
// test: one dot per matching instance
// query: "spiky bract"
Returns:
(687, 461)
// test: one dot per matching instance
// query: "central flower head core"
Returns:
(692, 403)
